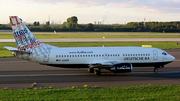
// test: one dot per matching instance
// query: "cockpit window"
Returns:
(164, 53)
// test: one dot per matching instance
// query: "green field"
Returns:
(52, 36)
(96, 33)
(131, 93)
(161, 45)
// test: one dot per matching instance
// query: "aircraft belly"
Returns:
(149, 64)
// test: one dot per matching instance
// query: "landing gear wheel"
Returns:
(97, 72)
(91, 70)
(155, 70)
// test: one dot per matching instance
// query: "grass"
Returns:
(10, 32)
(51, 36)
(129, 93)
(156, 44)
(161, 45)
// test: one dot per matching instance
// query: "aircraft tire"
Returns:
(91, 70)
(98, 72)
(155, 70)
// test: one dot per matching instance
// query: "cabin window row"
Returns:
(136, 54)
(100, 55)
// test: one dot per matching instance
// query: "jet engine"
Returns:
(121, 68)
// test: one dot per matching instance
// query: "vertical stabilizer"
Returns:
(24, 38)
(29, 47)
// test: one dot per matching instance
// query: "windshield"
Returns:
(164, 53)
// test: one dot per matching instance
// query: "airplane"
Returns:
(113, 59)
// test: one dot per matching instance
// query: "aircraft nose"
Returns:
(171, 58)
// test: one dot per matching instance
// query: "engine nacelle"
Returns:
(122, 68)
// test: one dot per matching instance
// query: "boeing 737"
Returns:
(114, 59)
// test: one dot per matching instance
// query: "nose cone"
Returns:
(168, 58)
(171, 58)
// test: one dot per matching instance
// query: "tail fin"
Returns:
(23, 36)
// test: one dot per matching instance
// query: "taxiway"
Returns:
(18, 74)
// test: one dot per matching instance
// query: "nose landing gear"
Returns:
(156, 68)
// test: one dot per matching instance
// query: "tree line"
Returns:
(72, 25)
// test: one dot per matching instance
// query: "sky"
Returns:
(89, 11)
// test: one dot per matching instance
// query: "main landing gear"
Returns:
(97, 71)
(91, 70)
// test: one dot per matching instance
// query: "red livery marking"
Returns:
(30, 46)
(14, 21)
(21, 37)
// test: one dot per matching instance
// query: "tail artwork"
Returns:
(25, 40)
(28, 46)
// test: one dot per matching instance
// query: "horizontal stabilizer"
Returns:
(15, 50)
(11, 48)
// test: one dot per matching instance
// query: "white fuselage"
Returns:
(138, 56)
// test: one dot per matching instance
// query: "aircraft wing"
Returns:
(15, 50)
(104, 64)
